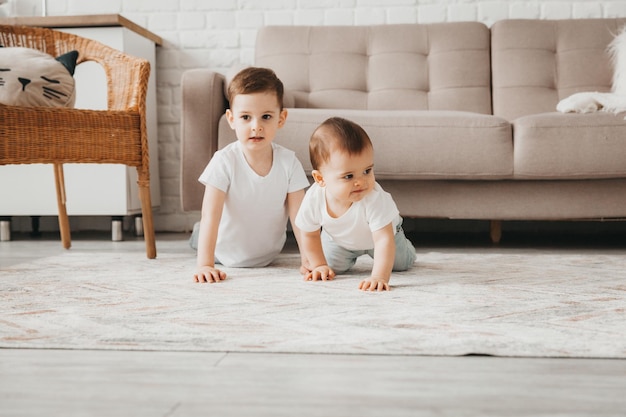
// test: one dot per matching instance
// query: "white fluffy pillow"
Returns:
(29, 77)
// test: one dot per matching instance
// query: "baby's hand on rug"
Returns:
(374, 284)
(209, 274)
(322, 272)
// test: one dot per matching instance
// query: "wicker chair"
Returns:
(33, 135)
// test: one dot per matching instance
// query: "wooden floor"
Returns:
(129, 383)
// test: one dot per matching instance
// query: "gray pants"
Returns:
(341, 259)
(193, 240)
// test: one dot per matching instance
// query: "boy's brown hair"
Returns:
(256, 80)
(337, 133)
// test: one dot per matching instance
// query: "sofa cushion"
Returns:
(441, 66)
(411, 145)
(570, 146)
(536, 63)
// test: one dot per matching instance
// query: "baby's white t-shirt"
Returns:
(352, 230)
(252, 230)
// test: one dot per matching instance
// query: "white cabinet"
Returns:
(92, 189)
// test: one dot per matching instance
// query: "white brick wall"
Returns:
(218, 33)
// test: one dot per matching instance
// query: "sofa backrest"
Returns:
(536, 63)
(441, 66)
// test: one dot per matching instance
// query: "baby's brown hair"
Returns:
(256, 80)
(340, 133)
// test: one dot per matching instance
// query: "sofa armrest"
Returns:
(203, 103)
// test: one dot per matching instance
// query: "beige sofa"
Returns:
(462, 116)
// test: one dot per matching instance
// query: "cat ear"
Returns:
(69, 60)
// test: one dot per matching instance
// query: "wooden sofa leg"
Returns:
(146, 214)
(64, 222)
(495, 231)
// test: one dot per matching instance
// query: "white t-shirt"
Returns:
(353, 229)
(252, 230)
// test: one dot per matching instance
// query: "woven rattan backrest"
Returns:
(125, 73)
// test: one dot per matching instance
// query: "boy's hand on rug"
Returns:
(209, 274)
(305, 266)
(374, 284)
(322, 272)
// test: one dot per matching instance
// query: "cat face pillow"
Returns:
(29, 77)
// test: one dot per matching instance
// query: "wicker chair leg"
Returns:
(146, 214)
(64, 222)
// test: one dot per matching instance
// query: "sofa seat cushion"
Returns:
(570, 146)
(410, 145)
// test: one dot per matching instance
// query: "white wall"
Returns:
(219, 33)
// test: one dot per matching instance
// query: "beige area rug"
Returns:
(507, 304)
